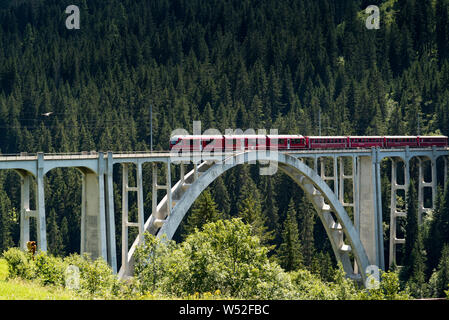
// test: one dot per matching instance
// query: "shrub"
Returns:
(152, 258)
(309, 286)
(96, 277)
(224, 256)
(50, 270)
(19, 263)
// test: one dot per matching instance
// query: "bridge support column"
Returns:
(154, 191)
(125, 210)
(25, 212)
(110, 216)
(369, 213)
(445, 172)
(394, 213)
(169, 195)
(341, 183)
(41, 228)
(334, 177)
(423, 184)
(93, 216)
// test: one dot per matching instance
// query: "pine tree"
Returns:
(204, 210)
(307, 218)
(6, 240)
(289, 253)
(65, 236)
(439, 230)
(414, 262)
(250, 211)
(55, 244)
(270, 209)
(432, 242)
(221, 197)
(441, 275)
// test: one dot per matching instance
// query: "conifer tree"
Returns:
(414, 261)
(204, 210)
(55, 243)
(432, 241)
(270, 209)
(307, 222)
(221, 197)
(6, 240)
(289, 253)
(440, 278)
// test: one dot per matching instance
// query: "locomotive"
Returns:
(298, 142)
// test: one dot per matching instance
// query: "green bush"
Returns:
(152, 258)
(309, 286)
(224, 257)
(20, 263)
(389, 289)
(49, 269)
(96, 277)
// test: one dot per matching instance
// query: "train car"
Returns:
(286, 142)
(234, 142)
(174, 141)
(401, 141)
(196, 143)
(212, 143)
(255, 142)
(337, 142)
(185, 143)
(365, 142)
(298, 142)
(429, 141)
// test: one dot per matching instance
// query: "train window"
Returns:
(281, 141)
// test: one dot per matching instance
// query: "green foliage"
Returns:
(322, 266)
(19, 263)
(290, 250)
(389, 288)
(50, 269)
(96, 277)
(204, 210)
(309, 286)
(413, 273)
(344, 288)
(152, 260)
(439, 281)
(225, 256)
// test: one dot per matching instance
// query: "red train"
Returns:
(298, 142)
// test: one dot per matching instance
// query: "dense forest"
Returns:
(300, 67)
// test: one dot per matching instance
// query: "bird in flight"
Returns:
(47, 114)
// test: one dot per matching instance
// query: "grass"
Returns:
(18, 289)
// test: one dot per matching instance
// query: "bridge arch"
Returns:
(339, 229)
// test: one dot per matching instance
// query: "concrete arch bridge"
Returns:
(326, 176)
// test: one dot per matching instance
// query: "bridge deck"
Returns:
(165, 154)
